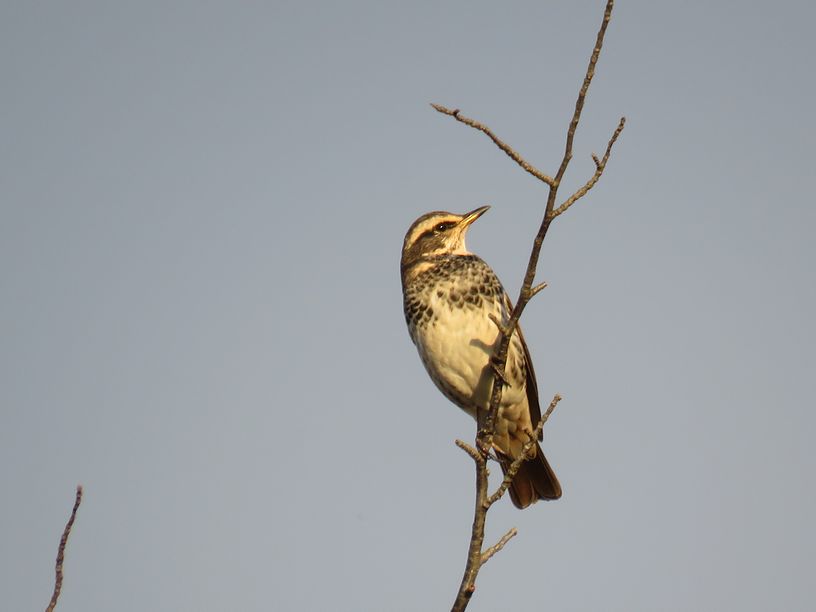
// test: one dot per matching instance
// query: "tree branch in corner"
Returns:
(61, 551)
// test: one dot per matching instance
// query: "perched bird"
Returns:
(448, 295)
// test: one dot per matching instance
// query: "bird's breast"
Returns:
(448, 312)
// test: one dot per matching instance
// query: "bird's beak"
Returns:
(473, 215)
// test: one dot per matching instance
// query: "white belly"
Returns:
(456, 347)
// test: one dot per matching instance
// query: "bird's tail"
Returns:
(535, 480)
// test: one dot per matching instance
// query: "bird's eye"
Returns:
(443, 227)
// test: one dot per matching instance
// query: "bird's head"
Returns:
(438, 233)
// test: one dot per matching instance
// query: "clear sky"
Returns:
(203, 205)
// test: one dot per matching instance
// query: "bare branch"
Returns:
(579, 103)
(474, 558)
(556, 398)
(477, 557)
(526, 293)
(513, 532)
(61, 551)
(515, 466)
(474, 454)
(600, 166)
(487, 419)
(535, 290)
(511, 153)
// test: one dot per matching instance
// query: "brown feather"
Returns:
(535, 479)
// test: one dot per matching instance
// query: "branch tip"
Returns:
(487, 554)
(61, 551)
(556, 398)
(474, 454)
(538, 288)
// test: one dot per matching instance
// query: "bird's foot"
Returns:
(486, 449)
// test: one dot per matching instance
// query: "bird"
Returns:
(449, 295)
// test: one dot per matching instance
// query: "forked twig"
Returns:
(600, 166)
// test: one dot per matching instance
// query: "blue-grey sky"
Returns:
(203, 205)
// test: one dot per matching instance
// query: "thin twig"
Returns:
(474, 454)
(579, 103)
(513, 532)
(511, 153)
(61, 551)
(538, 288)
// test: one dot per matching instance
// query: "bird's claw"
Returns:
(486, 449)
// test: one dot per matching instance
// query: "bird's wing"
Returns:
(531, 384)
